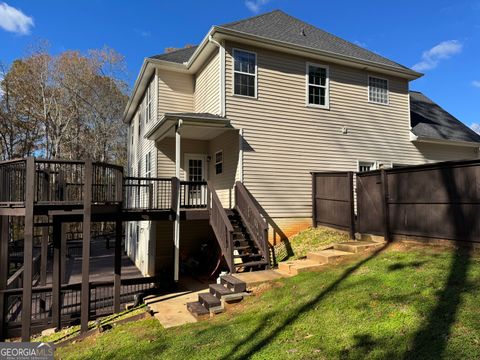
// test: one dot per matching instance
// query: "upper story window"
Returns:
(317, 85)
(148, 104)
(132, 132)
(148, 164)
(140, 120)
(219, 162)
(377, 90)
(244, 73)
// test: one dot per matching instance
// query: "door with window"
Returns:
(195, 171)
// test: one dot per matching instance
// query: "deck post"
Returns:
(56, 274)
(4, 234)
(87, 212)
(28, 248)
(63, 252)
(118, 266)
(176, 269)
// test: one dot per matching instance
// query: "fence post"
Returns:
(28, 249)
(314, 202)
(351, 200)
(386, 212)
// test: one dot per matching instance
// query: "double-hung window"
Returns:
(148, 105)
(377, 90)
(140, 120)
(244, 73)
(219, 162)
(148, 164)
(317, 86)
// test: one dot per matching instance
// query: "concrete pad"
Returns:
(258, 277)
(327, 256)
(171, 309)
(301, 266)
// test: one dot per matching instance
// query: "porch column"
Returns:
(176, 236)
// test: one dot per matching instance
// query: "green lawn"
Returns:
(395, 304)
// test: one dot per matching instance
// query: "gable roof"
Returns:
(177, 56)
(279, 26)
(429, 120)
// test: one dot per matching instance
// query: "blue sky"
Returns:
(439, 38)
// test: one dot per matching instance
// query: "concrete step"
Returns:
(209, 301)
(296, 267)
(357, 246)
(219, 290)
(251, 263)
(234, 284)
(197, 309)
(327, 256)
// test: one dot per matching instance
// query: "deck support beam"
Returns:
(87, 215)
(118, 266)
(4, 237)
(56, 274)
(28, 249)
(176, 227)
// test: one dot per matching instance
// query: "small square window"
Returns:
(219, 162)
(377, 90)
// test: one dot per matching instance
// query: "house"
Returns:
(263, 102)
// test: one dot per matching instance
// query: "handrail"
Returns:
(221, 225)
(253, 220)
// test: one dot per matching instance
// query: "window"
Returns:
(377, 90)
(148, 105)
(245, 73)
(219, 162)
(364, 166)
(140, 120)
(148, 164)
(132, 131)
(317, 85)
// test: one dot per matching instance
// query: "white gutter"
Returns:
(221, 49)
(415, 138)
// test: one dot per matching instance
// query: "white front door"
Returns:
(195, 170)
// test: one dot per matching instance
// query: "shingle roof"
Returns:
(194, 115)
(429, 120)
(277, 25)
(177, 56)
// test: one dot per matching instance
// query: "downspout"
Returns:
(176, 240)
(221, 48)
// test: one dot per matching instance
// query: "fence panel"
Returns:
(333, 200)
(370, 203)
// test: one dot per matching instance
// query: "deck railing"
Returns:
(221, 225)
(12, 182)
(147, 193)
(252, 218)
(193, 194)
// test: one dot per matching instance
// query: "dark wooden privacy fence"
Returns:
(439, 201)
(333, 200)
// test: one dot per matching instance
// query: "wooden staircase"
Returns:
(230, 289)
(246, 254)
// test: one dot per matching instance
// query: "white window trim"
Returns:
(148, 103)
(327, 86)
(376, 164)
(219, 162)
(368, 90)
(148, 164)
(241, 72)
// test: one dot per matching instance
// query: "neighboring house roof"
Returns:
(279, 26)
(430, 121)
(177, 56)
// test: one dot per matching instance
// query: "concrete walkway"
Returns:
(171, 309)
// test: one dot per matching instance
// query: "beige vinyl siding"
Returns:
(224, 183)
(286, 139)
(207, 87)
(175, 92)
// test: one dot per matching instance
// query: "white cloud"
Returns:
(442, 51)
(256, 5)
(476, 127)
(14, 20)
(476, 83)
(360, 43)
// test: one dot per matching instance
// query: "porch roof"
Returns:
(200, 126)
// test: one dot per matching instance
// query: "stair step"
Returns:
(248, 254)
(208, 300)
(241, 247)
(238, 242)
(197, 309)
(218, 290)
(356, 246)
(233, 283)
(252, 263)
(296, 267)
(327, 256)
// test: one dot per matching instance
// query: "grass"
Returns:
(417, 304)
(314, 239)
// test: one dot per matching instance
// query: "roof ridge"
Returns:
(253, 17)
